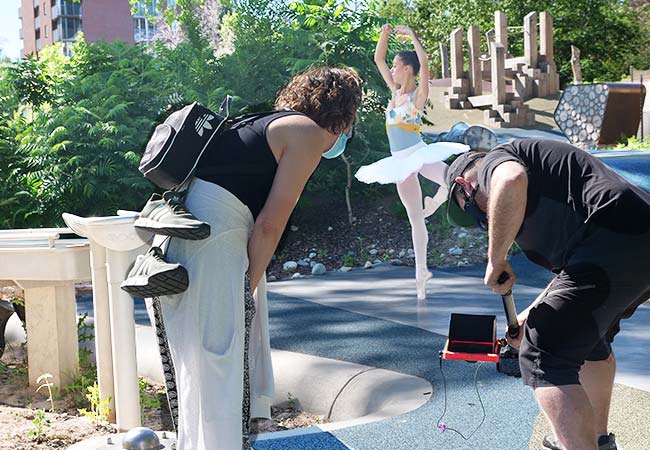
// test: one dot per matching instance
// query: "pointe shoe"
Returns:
(421, 284)
(431, 204)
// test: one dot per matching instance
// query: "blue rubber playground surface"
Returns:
(302, 326)
(371, 317)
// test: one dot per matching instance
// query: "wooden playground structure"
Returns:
(512, 80)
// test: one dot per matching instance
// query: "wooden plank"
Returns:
(478, 101)
(530, 39)
(501, 29)
(475, 76)
(498, 74)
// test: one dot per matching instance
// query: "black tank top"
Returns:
(241, 161)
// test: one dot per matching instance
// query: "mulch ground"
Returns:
(321, 233)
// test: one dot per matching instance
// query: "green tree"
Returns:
(343, 33)
(9, 111)
(607, 32)
(274, 40)
(79, 151)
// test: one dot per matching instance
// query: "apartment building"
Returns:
(47, 21)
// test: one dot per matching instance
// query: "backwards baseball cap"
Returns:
(455, 215)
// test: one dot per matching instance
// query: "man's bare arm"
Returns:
(506, 209)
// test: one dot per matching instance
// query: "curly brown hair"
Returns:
(329, 96)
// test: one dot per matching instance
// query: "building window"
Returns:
(55, 24)
(67, 48)
(69, 8)
(144, 30)
(36, 11)
(53, 3)
(38, 33)
(70, 26)
(45, 31)
(141, 7)
(44, 9)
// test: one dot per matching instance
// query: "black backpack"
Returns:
(174, 149)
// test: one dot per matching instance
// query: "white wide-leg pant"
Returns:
(205, 326)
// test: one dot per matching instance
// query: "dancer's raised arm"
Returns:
(422, 90)
(380, 57)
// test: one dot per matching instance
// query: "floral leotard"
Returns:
(403, 123)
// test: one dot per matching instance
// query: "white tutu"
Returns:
(402, 164)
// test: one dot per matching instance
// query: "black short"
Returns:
(607, 277)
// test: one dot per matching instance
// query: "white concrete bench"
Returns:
(46, 267)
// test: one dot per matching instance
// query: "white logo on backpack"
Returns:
(203, 123)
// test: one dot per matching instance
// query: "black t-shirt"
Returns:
(241, 161)
(568, 188)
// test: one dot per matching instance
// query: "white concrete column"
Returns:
(101, 313)
(122, 318)
(52, 344)
(501, 29)
(475, 74)
(498, 74)
(456, 41)
(530, 39)
(117, 243)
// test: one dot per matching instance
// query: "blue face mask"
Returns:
(338, 147)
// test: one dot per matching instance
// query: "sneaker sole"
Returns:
(549, 446)
(171, 282)
(190, 232)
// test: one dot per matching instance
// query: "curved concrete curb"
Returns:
(346, 393)
(354, 393)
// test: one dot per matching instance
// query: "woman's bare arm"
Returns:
(303, 143)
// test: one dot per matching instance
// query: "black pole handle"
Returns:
(509, 307)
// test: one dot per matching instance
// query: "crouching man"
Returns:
(573, 215)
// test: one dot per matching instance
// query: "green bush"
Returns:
(72, 129)
(634, 143)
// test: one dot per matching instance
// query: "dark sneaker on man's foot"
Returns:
(152, 276)
(167, 215)
(605, 442)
